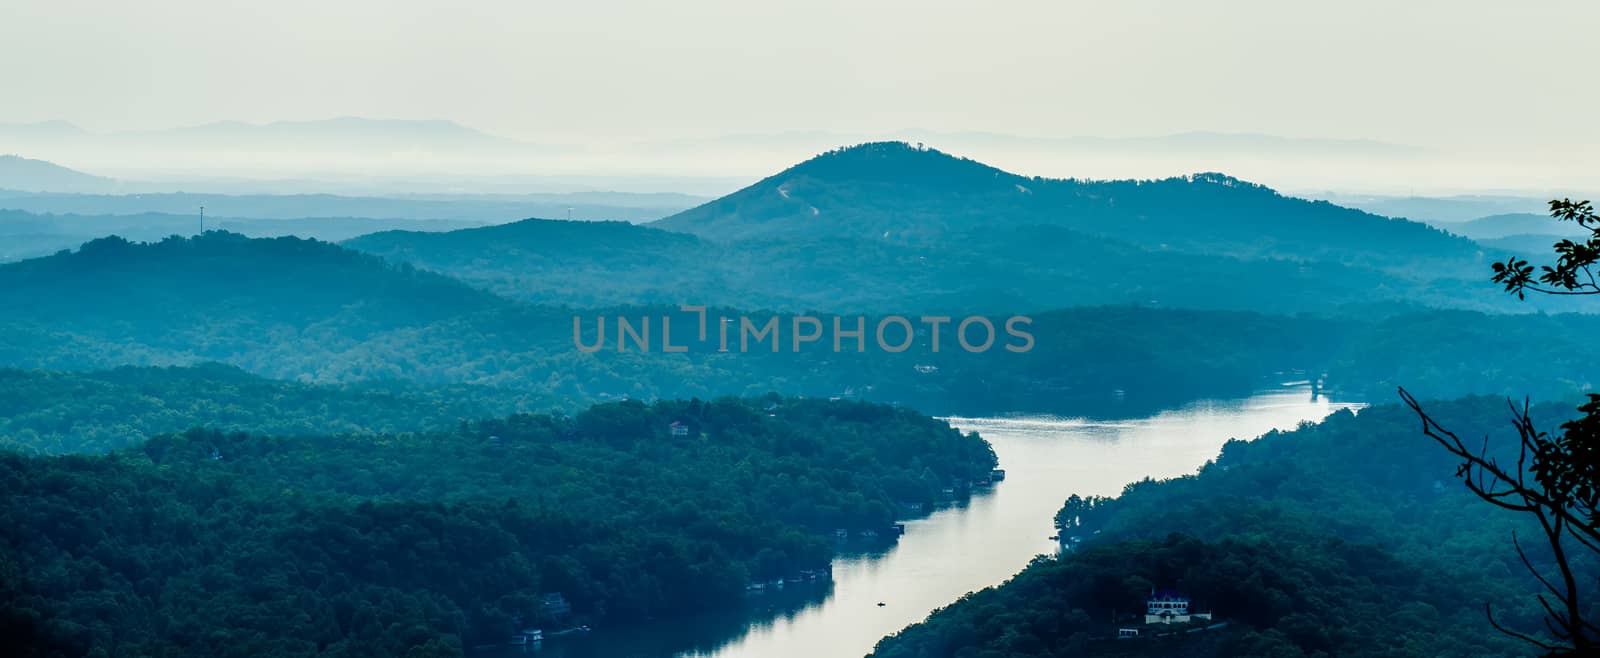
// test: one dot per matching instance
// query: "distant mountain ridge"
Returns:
(347, 131)
(340, 132)
(477, 208)
(1516, 224)
(29, 235)
(55, 128)
(1184, 142)
(343, 147)
(29, 175)
(339, 126)
(41, 223)
(1440, 211)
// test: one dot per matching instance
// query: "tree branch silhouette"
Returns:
(1561, 516)
(1556, 479)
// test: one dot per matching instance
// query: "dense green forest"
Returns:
(225, 445)
(308, 311)
(1002, 268)
(221, 544)
(1447, 354)
(1347, 537)
(47, 412)
(31, 235)
(54, 412)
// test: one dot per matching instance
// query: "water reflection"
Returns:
(962, 549)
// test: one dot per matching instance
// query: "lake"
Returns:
(969, 547)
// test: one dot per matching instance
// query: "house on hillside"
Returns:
(1168, 607)
(678, 429)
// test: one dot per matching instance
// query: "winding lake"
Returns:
(967, 548)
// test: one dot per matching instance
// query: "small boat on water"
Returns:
(570, 631)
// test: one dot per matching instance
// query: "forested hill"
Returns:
(311, 312)
(181, 280)
(270, 306)
(1013, 269)
(1351, 537)
(901, 192)
(893, 228)
(883, 228)
(575, 241)
(31, 235)
(575, 263)
(213, 544)
(43, 412)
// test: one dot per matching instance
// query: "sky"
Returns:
(1484, 77)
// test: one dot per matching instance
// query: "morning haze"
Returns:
(396, 329)
(1453, 97)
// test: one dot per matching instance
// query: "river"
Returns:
(966, 548)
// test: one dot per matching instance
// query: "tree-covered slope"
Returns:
(903, 192)
(311, 312)
(1447, 354)
(893, 228)
(213, 544)
(1005, 268)
(31, 235)
(178, 282)
(561, 262)
(1347, 537)
(46, 412)
(272, 306)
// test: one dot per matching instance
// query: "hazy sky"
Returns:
(1483, 73)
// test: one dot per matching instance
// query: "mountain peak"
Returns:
(897, 162)
(871, 189)
(1225, 180)
(894, 192)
